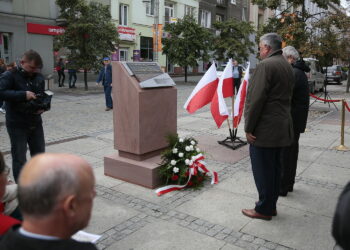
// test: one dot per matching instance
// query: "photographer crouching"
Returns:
(22, 89)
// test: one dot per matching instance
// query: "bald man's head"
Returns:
(48, 178)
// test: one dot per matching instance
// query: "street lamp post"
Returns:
(156, 30)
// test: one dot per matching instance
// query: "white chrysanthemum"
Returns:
(187, 148)
(193, 142)
(175, 150)
(181, 140)
(198, 150)
(191, 147)
(181, 154)
(187, 161)
(175, 170)
(173, 162)
(191, 162)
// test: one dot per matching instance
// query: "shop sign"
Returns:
(126, 33)
(43, 29)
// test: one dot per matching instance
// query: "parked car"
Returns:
(334, 73)
(315, 77)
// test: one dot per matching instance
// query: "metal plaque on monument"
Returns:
(144, 111)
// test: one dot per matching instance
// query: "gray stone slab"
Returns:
(231, 247)
(309, 154)
(316, 138)
(101, 153)
(302, 166)
(331, 174)
(312, 199)
(104, 180)
(335, 158)
(106, 136)
(165, 235)
(241, 182)
(295, 229)
(142, 192)
(107, 214)
(86, 145)
(219, 207)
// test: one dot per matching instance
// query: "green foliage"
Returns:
(90, 34)
(188, 42)
(290, 26)
(233, 40)
(179, 152)
(273, 4)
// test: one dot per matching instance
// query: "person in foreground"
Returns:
(6, 222)
(55, 195)
(299, 111)
(268, 123)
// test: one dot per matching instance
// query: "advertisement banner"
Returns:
(157, 36)
(43, 29)
(126, 33)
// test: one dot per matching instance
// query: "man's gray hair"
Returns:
(272, 40)
(40, 197)
(290, 51)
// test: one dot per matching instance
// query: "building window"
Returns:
(123, 15)
(222, 2)
(189, 10)
(5, 47)
(123, 54)
(169, 12)
(233, 2)
(150, 8)
(219, 18)
(244, 19)
(146, 47)
(206, 19)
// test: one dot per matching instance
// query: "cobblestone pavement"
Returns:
(132, 217)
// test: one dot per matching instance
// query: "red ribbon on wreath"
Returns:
(196, 165)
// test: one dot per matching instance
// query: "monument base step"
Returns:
(144, 173)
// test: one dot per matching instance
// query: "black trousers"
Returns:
(237, 83)
(266, 171)
(20, 138)
(289, 160)
(61, 75)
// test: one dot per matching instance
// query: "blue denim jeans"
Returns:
(19, 138)
(108, 93)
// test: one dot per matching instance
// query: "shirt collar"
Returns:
(36, 236)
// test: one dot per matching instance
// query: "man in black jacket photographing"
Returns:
(22, 89)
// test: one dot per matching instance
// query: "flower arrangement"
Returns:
(179, 162)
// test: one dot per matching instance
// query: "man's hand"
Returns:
(97, 84)
(250, 138)
(39, 112)
(30, 95)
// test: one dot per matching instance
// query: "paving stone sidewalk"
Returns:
(132, 217)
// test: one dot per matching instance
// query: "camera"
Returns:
(42, 102)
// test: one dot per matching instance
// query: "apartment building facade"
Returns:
(28, 25)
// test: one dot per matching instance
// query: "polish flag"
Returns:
(218, 106)
(240, 99)
(204, 91)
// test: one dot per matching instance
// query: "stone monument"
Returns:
(144, 112)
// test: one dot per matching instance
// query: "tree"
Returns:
(89, 35)
(233, 40)
(188, 43)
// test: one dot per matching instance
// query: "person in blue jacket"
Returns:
(105, 76)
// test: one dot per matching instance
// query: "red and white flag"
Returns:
(240, 99)
(204, 91)
(225, 88)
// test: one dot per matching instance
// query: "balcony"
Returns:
(221, 3)
(169, 19)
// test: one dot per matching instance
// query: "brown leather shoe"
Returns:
(255, 215)
(107, 109)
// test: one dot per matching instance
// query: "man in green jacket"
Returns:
(268, 122)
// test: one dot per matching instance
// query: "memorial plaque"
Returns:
(149, 74)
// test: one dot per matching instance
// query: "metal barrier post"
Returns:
(342, 147)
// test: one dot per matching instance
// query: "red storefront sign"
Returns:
(126, 33)
(43, 29)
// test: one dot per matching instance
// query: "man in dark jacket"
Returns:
(268, 122)
(105, 76)
(299, 111)
(55, 195)
(19, 88)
